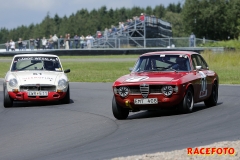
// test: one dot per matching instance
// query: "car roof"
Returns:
(169, 52)
(35, 55)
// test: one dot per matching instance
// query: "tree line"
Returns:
(212, 19)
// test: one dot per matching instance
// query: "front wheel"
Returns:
(118, 111)
(66, 99)
(7, 101)
(187, 103)
(212, 100)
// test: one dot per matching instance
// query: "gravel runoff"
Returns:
(183, 154)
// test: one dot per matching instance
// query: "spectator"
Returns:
(7, 45)
(121, 27)
(90, 40)
(99, 34)
(47, 45)
(142, 16)
(76, 40)
(136, 19)
(50, 42)
(114, 29)
(192, 40)
(24, 45)
(61, 42)
(37, 42)
(109, 31)
(44, 43)
(70, 41)
(82, 41)
(129, 22)
(31, 44)
(20, 45)
(55, 42)
(12, 45)
(106, 34)
(66, 41)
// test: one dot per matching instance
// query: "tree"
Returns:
(149, 10)
(213, 19)
(177, 23)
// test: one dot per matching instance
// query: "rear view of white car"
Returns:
(36, 77)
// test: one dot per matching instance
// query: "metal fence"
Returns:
(121, 42)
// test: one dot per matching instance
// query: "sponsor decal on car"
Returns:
(203, 91)
(136, 79)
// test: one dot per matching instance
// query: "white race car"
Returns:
(36, 77)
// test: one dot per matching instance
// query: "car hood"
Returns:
(151, 77)
(37, 77)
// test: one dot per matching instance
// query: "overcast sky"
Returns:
(14, 13)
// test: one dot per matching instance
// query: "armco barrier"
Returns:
(98, 51)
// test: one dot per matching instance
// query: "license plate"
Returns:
(37, 93)
(146, 101)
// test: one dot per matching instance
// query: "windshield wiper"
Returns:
(172, 69)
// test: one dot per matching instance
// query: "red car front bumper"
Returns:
(163, 102)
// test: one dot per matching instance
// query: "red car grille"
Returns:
(152, 89)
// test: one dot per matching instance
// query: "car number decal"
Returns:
(137, 79)
(203, 91)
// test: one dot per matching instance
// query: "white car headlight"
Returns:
(167, 90)
(62, 83)
(123, 91)
(13, 82)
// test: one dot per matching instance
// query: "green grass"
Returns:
(97, 71)
(226, 44)
(227, 65)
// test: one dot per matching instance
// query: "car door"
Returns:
(206, 77)
(210, 75)
(203, 81)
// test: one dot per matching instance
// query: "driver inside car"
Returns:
(181, 64)
(49, 65)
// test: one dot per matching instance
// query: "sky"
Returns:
(14, 13)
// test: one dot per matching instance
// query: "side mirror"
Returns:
(198, 68)
(130, 69)
(67, 71)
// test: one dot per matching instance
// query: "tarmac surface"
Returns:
(86, 129)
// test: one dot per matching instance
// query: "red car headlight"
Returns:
(167, 90)
(123, 91)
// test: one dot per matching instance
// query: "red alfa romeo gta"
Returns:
(163, 80)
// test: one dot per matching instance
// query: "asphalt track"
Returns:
(86, 128)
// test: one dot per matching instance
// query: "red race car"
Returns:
(163, 80)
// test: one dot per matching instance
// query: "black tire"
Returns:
(66, 99)
(188, 102)
(118, 111)
(7, 101)
(212, 100)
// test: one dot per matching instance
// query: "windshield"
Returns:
(162, 63)
(36, 63)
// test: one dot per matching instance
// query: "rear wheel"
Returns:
(212, 100)
(7, 101)
(187, 103)
(66, 99)
(118, 111)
